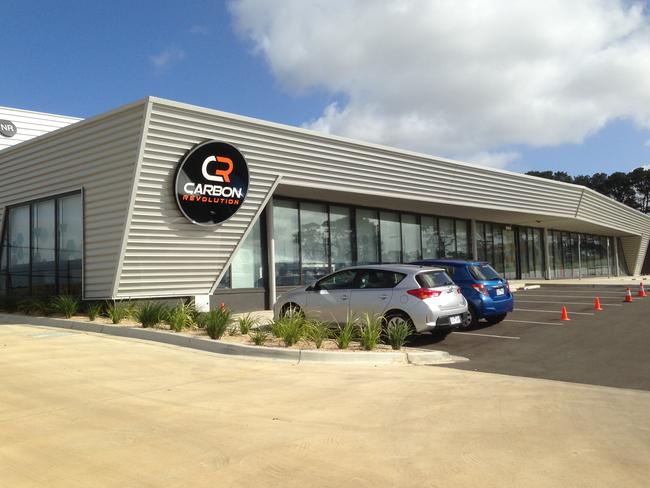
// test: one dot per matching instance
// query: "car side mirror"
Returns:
(313, 287)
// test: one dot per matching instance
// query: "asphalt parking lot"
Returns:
(608, 348)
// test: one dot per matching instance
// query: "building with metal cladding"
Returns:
(134, 203)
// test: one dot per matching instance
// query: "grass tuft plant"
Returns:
(397, 332)
(246, 323)
(259, 336)
(370, 331)
(290, 329)
(93, 310)
(346, 334)
(118, 311)
(150, 314)
(317, 332)
(217, 321)
(35, 306)
(180, 316)
(66, 305)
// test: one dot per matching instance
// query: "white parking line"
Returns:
(550, 311)
(486, 335)
(571, 303)
(531, 322)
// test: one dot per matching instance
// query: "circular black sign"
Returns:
(7, 128)
(211, 183)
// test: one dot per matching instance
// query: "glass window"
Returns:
(430, 245)
(70, 244)
(340, 237)
(524, 254)
(342, 280)
(43, 248)
(497, 237)
(367, 236)
(484, 272)
(538, 253)
(18, 255)
(391, 240)
(287, 247)
(489, 244)
(462, 249)
(411, 245)
(314, 245)
(432, 279)
(376, 278)
(247, 267)
(480, 241)
(447, 238)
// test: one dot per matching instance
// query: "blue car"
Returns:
(488, 294)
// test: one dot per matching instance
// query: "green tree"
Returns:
(640, 180)
(619, 187)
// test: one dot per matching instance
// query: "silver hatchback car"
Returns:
(425, 297)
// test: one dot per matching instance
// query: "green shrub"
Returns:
(201, 319)
(217, 321)
(346, 334)
(65, 304)
(397, 332)
(317, 332)
(259, 336)
(290, 328)
(246, 323)
(34, 306)
(150, 314)
(370, 331)
(180, 316)
(93, 310)
(118, 311)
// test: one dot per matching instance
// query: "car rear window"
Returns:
(484, 272)
(375, 278)
(433, 279)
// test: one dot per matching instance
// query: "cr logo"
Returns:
(221, 174)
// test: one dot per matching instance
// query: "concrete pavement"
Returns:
(80, 409)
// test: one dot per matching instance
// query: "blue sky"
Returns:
(82, 58)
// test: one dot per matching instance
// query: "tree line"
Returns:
(632, 189)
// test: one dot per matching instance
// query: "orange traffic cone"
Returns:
(565, 314)
(597, 306)
(642, 292)
(628, 296)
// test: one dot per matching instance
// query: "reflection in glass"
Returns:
(43, 248)
(430, 245)
(411, 246)
(286, 234)
(367, 236)
(18, 255)
(70, 244)
(462, 251)
(447, 238)
(389, 230)
(247, 268)
(340, 237)
(314, 241)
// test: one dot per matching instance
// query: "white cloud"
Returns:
(166, 58)
(460, 77)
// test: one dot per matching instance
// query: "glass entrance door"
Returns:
(509, 254)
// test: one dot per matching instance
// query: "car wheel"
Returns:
(495, 319)
(471, 320)
(290, 309)
(395, 317)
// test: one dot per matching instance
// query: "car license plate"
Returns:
(501, 291)
(454, 319)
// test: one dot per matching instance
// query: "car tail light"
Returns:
(481, 288)
(457, 290)
(424, 293)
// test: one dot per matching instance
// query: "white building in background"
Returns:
(18, 125)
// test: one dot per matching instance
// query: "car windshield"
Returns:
(484, 272)
(432, 279)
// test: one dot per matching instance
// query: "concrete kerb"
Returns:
(415, 357)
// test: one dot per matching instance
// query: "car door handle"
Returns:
(383, 297)
(344, 297)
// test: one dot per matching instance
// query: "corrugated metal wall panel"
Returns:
(165, 254)
(600, 209)
(307, 159)
(98, 155)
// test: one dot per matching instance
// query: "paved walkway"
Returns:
(82, 410)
